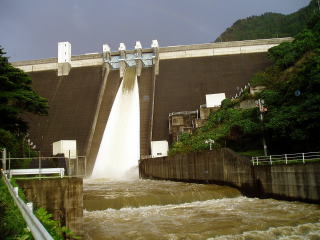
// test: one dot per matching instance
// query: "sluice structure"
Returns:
(81, 89)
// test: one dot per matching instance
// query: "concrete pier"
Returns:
(63, 198)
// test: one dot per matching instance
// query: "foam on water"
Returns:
(300, 232)
(223, 218)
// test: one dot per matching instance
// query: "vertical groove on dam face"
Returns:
(146, 98)
(72, 104)
(183, 83)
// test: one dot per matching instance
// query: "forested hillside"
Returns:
(270, 25)
(292, 99)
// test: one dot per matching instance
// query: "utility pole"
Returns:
(262, 109)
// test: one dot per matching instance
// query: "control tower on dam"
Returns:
(81, 89)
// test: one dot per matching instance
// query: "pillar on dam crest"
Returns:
(64, 58)
(122, 59)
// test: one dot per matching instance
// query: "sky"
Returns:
(32, 29)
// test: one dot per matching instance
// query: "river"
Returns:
(147, 210)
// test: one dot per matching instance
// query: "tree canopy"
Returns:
(16, 98)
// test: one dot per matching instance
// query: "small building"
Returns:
(159, 148)
(181, 122)
(204, 114)
(189, 121)
(66, 147)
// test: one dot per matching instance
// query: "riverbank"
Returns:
(222, 166)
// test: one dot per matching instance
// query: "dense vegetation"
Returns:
(16, 98)
(12, 224)
(292, 97)
(269, 25)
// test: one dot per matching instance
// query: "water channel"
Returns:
(148, 209)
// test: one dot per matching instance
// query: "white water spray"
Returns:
(120, 146)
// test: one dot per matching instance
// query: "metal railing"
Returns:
(286, 158)
(74, 167)
(37, 229)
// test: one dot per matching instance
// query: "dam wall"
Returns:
(80, 102)
(223, 166)
(63, 198)
(72, 105)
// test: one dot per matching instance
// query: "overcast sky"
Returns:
(31, 29)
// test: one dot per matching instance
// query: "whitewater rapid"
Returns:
(146, 209)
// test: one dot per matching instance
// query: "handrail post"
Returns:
(16, 191)
(4, 160)
(39, 165)
(257, 160)
(270, 159)
(30, 206)
(286, 158)
(9, 165)
(85, 166)
(303, 158)
(77, 166)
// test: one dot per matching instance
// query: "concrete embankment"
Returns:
(63, 198)
(223, 166)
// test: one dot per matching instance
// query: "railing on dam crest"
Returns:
(292, 158)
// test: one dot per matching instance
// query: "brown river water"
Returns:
(147, 210)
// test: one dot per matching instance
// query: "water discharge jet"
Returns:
(120, 146)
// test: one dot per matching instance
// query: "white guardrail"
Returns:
(36, 171)
(286, 158)
(71, 167)
(37, 229)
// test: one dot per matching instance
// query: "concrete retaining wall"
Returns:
(223, 166)
(63, 198)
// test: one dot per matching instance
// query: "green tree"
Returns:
(16, 98)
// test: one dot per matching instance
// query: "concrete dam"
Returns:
(114, 94)
(81, 89)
